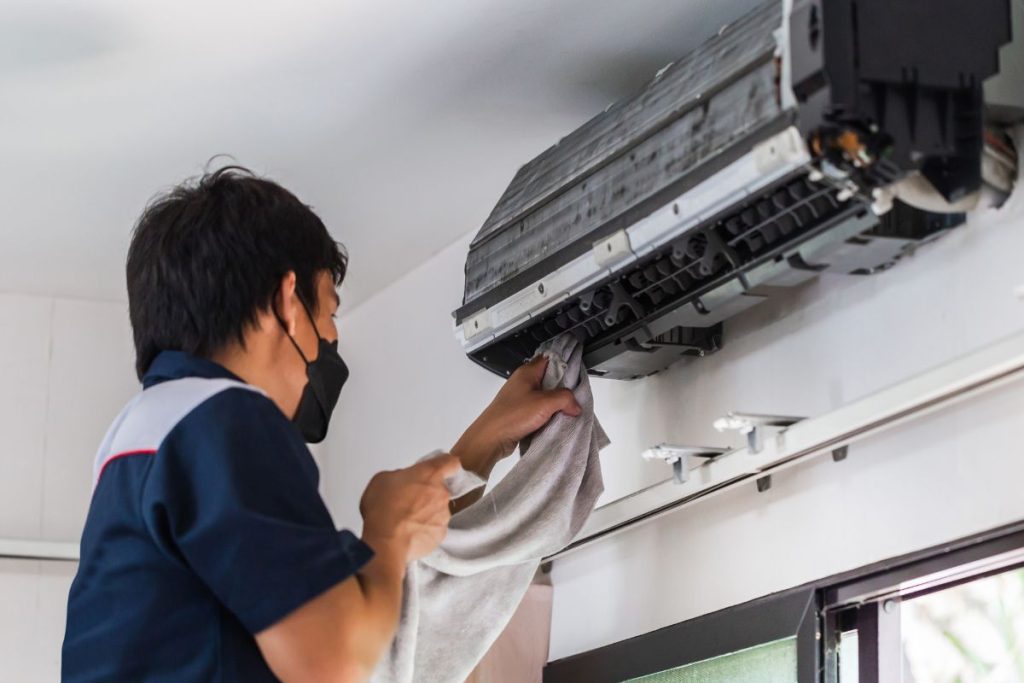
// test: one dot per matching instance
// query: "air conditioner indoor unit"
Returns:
(809, 136)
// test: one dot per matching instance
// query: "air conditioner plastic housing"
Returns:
(750, 165)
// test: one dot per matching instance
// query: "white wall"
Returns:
(65, 372)
(410, 390)
(826, 344)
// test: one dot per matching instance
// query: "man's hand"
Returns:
(520, 408)
(341, 634)
(406, 511)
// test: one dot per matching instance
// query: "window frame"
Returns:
(866, 599)
(870, 601)
(788, 614)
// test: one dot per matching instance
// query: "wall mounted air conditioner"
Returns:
(810, 136)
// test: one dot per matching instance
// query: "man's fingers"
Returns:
(442, 518)
(445, 465)
(563, 400)
(534, 369)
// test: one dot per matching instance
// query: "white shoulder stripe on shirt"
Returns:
(150, 416)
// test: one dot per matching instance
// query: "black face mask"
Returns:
(326, 375)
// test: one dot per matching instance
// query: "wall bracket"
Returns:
(752, 426)
(679, 457)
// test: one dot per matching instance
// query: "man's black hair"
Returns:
(208, 256)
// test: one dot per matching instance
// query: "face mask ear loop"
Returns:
(312, 321)
(290, 337)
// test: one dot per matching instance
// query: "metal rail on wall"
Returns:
(968, 376)
(30, 549)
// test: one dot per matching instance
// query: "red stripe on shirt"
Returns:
(123, 454)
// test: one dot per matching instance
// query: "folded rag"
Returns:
(459, 598)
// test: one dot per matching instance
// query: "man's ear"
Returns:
(286, 302)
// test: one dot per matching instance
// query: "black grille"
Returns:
(680, 271)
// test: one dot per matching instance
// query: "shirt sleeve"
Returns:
(232, 494)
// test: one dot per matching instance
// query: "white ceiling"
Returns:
(401, 122)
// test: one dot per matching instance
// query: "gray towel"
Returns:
(459, 598)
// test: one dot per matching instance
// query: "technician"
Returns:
(208, 553)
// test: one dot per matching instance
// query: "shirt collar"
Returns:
(170, 365)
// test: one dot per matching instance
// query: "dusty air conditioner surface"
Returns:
(801, 139)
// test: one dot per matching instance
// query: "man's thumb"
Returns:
(563, 400)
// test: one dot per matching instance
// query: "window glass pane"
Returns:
(848, 661)
(973, 633)
(768, 663)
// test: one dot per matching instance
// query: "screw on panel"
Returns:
(839, 454)
(764, 483)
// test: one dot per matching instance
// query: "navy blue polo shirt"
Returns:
(205, 527)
